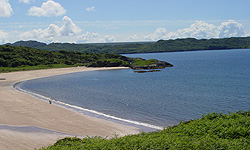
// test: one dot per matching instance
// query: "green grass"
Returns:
(140, 62)
(212, 131)
(26, 68)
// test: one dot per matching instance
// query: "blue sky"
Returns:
(94, 21)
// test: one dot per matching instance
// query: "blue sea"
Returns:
(200, 82)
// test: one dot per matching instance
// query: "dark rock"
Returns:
(145, 71)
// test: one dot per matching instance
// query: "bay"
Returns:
(199, 83)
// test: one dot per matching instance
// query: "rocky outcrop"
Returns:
(145, 71)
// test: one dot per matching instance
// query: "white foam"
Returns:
(112, 117)
(17, 87)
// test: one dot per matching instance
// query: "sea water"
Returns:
(199, 83)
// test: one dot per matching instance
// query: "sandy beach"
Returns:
(28, 123)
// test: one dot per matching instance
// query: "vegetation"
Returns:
(26, 58)
(191, 44)
(116, 48)
(187, 44)
(26, 68)
(142, 62)
(212, 131)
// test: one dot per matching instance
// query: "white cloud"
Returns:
(69, 28)
(108, 39)
(68, 32)
(51, 31)
(49, 8)
(91, 8)
(5, 8)
(25, 1)
(159, 33)
(94, 38)
(231, 29)
(201, 30)
(132, 38)
(3, 37)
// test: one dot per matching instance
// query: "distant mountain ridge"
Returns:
(32, 44)
(116, 48)
(188, 44)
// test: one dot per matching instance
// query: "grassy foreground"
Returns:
(212, 131)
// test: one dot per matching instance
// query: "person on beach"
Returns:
(50, 102)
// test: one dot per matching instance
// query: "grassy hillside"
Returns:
(187, 44)
(26, 58)
(211, 132)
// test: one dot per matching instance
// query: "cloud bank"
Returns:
(94, 38)
(69, 28)
(48, 9)
(68, 32)
(200, 30)
(231, 29)
(5, 8)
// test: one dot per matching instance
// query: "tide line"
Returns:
(17, 87)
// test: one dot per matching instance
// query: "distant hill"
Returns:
(188, 44)
(117, 48)
(32, 44)
(192, 44)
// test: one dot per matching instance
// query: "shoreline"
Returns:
(93, 113)
(18, 109)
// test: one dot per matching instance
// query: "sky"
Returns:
(102, 21)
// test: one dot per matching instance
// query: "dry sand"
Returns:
(20, 113)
